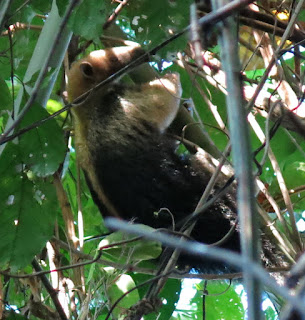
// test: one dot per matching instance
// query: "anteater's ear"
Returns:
(86, 69)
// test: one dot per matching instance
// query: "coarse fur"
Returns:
(130, 161)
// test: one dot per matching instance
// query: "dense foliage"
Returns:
(47, 216)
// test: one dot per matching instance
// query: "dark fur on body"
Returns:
(130, 161)
(141, 173)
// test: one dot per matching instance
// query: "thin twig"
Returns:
(50, 289)
(20, 26)
(115, 13)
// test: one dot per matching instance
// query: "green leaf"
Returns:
(5, 61)
(221, 305)
(63, 119)
(43, 148)
(123, 283)
(294, 173)
(138, 250)
(18, 12)
(87, 20)
(27, 211)
(41, 6)
(5, 103)
(5, 96)
(15, 316)
(160, 20)
(301, 15)
(62, 5)
(25, 42)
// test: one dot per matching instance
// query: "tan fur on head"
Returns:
(98, 66)
(156, 101)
